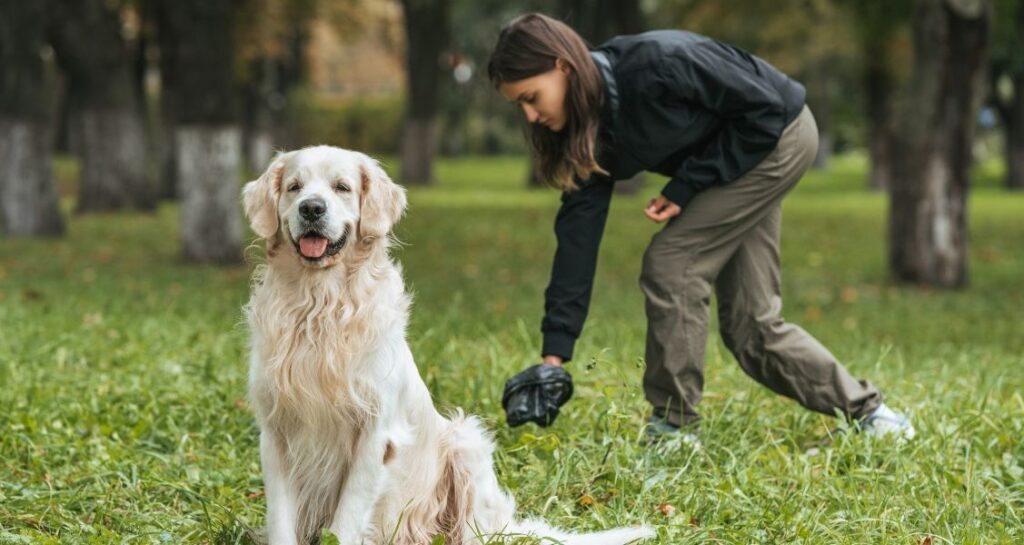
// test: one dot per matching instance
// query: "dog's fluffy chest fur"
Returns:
(315, 372)
(314, 342)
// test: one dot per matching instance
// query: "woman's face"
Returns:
(542, 97)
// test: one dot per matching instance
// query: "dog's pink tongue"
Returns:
(312, 247)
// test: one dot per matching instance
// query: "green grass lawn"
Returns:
(123, 416)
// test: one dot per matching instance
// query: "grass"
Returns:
(123, 416)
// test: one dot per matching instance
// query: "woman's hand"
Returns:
(661, 209)
(553, 360)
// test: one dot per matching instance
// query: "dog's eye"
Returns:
(294, 186)
(341, 188)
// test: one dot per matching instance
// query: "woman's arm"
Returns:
(578, 228)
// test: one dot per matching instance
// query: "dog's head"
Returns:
(322, 200)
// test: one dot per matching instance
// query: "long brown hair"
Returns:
(529, 46)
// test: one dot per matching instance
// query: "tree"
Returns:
(207, 135)
(157, 22)
(106, 118)
(598, 22)
(28, 198)
(601, 20)
(1007, 85)
(807, 39)
(427, 35)
(932, 159)
(878, 27)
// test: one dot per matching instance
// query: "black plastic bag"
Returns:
(536, 394)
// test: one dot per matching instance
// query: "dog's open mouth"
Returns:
(314, 246)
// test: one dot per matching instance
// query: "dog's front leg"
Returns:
(282, 508)
(361, 491)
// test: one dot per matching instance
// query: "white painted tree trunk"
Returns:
(28, 198)
(113, 151)
(259, 150)
(419, 142)
(1015, 134)
(209, 169)
(168, 162)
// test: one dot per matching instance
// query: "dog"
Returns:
(350, 440)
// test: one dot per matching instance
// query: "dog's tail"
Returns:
(553, 536)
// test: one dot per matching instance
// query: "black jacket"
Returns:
(675, 103)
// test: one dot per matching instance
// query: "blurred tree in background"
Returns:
(1006, 85)
(207, 135)
(809, 40)
(197, 94)
(599, 21)
(933, 144)
(427, 30)
(882, 31)
(28, 199)
(105, 117)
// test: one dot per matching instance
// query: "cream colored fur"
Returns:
(350, 439)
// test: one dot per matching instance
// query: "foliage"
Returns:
(372, 124)
(124, 417)
(813, 41)
(1006, 59)
(795, 35)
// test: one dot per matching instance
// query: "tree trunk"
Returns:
(209, 163)
(257, 114)
(168, 177)
(28, 198)
(259, 149)
(426, 30)
(879, 85)
(208, 138)
(113, 152)
(27, 194)
(928, 213)
(106, 117)
(1015, 135)
(819, 98)
(533, 178)
(418, 148)
(167, 154)
(601, 20)
(288, 74)
(598, 22)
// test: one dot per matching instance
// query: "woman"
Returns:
(734, 135)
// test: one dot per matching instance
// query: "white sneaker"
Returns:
(660, 430)
(885, 421)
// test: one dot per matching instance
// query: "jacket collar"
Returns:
(611, 89)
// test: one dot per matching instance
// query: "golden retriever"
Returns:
(350, 440)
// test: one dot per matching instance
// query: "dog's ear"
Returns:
(382, 201)
(260, 198)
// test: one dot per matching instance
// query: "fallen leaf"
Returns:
(848, 295)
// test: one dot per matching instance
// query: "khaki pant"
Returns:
(728, 237)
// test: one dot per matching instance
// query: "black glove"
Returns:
(535, 395)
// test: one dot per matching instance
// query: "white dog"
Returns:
(350, 440)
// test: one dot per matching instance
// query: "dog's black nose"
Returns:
(312, 208)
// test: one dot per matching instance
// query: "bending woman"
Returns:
(734, 136)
